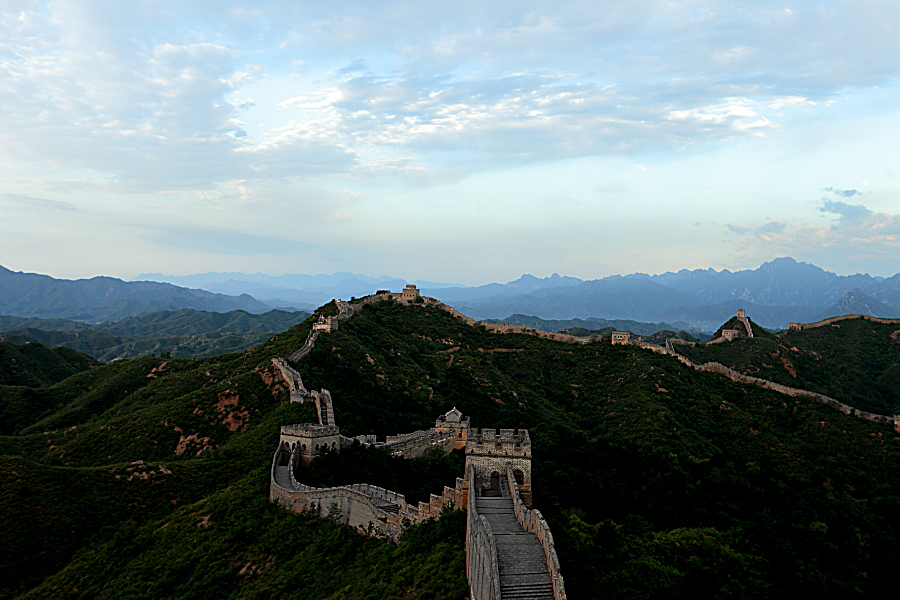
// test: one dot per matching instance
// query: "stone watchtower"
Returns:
(325, 324)
(489, 452)
(410, 293)
(309, 440)
(620, 337)
(453, 422)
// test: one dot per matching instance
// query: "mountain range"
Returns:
(776, 293)
(106, 298)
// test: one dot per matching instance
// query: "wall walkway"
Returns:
(504, 559)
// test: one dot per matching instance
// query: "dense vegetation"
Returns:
(34, 365)
(855, 361)
(658, 481)
(183, 333)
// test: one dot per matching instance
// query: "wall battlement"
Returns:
(310, 430)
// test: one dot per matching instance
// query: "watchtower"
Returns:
(620, 337)
(309, 440)
(409, 293)
(453, 422)
(795, 326)
(740, 313)
(325, 324)
(490, 452)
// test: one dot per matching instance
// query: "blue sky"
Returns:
(466, 142)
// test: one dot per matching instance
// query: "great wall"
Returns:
(715, 367)
(509, 546)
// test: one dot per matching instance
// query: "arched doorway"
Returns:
(519, 475)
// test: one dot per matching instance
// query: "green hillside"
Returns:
(34, 365)
(855, 361)
(183, 333)
(658, 481)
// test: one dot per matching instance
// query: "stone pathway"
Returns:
(523, 565)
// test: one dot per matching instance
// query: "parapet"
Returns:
(505, 442)
(309, 430)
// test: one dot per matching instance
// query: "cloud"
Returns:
(860, 236)
(31, 203)
(849, 213)
(222, 241)
(843, 193)
(141, 93)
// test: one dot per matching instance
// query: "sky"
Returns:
(466, 141)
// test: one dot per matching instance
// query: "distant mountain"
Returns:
(523, 285)
(855, 302)
(304, 292)
(595, 324)
(106, 298)
(782, 282)
(776, 293)
(614, 298)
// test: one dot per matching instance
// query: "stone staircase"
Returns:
(746, 323)
(522, 564)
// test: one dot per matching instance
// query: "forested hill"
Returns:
(658, 481)
(183, 333)
(35, 365)
(856, 361)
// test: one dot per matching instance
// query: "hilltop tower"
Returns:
(410, 293)
(620, 337)
(490, 452)
(453, 422)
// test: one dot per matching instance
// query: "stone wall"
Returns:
(417, 445)
(362, 506)
(831, 320)
(307, 346)
(482, 565)
(292, 378)
(715, 367)
(746, 323)
(533, 522)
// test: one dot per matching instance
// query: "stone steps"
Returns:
(522, 563)
(526, 591)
